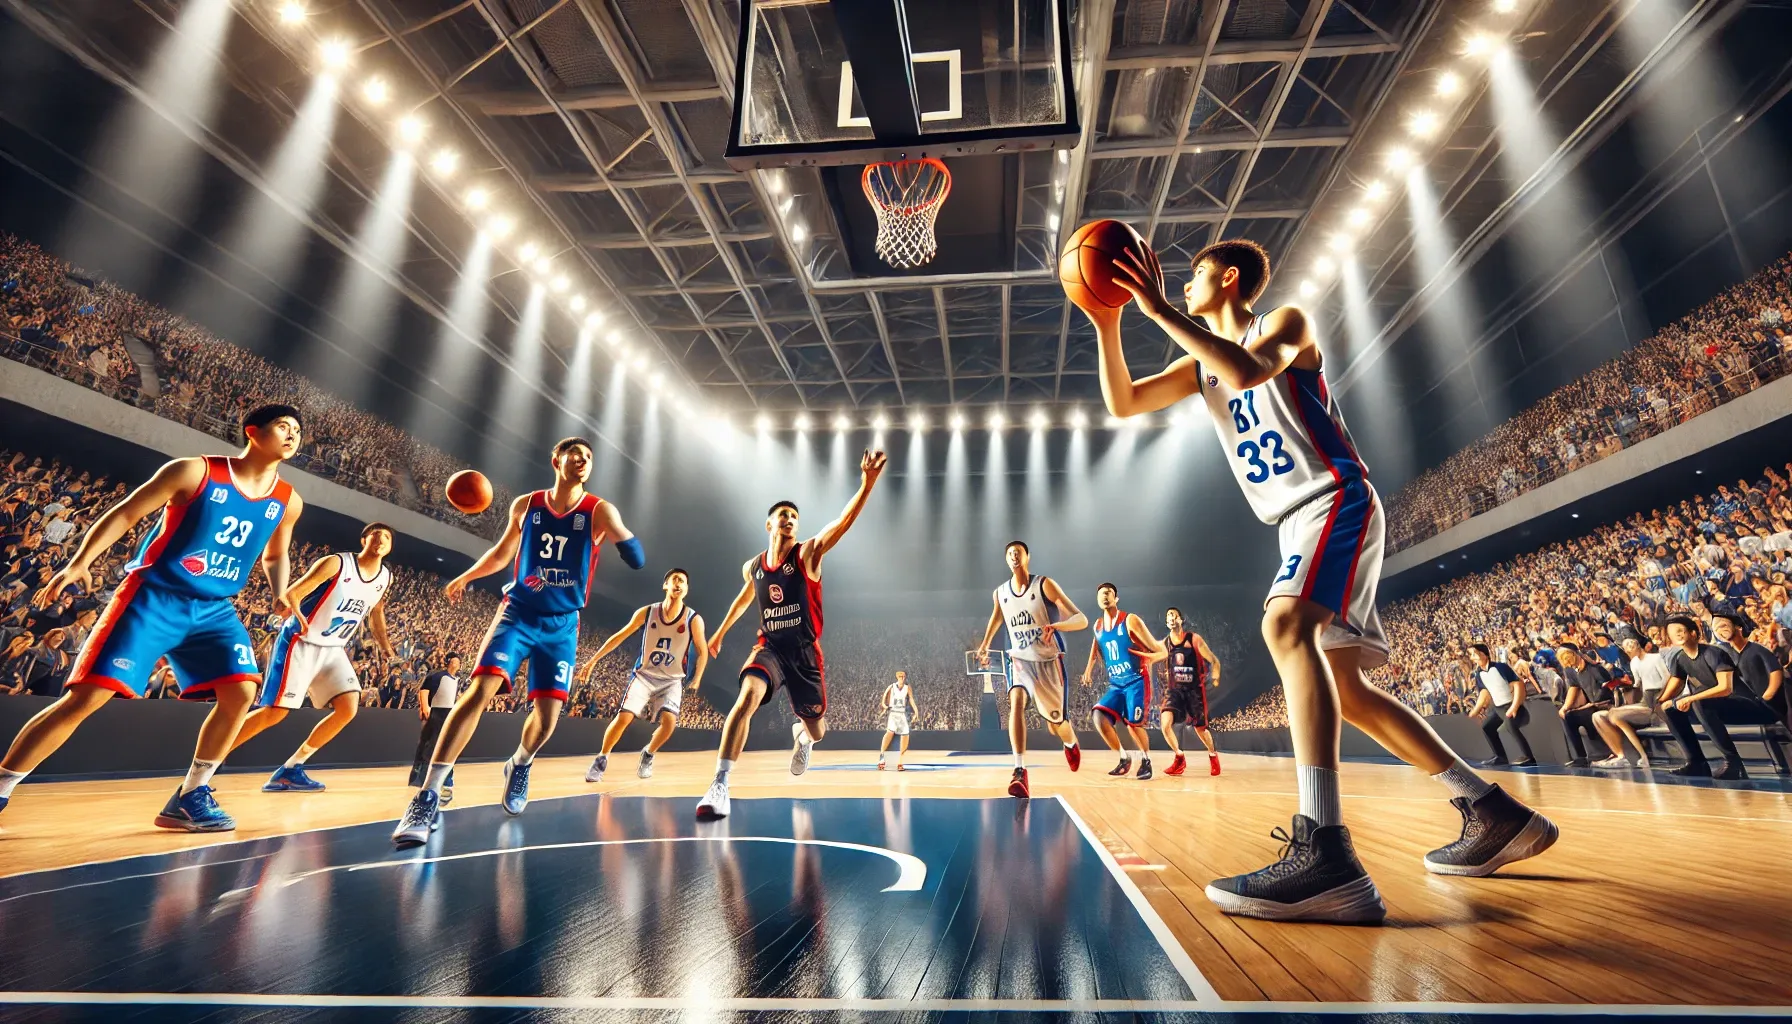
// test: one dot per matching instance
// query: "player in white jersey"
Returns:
(898, 706)
(1025, 604)
(1262, 378)
(310, 654)
(672, 647)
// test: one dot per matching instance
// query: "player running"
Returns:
(1262, 379)
(1025, 604)
(671, 632)
(1190, 668)
(310, 655)
(219, 515)
(1128, 650)
(786, 584)
(552, 544)
(898, 705)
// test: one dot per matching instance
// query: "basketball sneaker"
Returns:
(1732, 771)
(799, 753)
(291, 780)
(448, 788)
(1615, 763)
(422, 817)
(1213, 764)
(901, 767)
(1317, 878)
(714, 804)
(516, 787)
(1177, 765)
(1496, 830)
(1017, 784)
(1144, 769)
(196, 811)
(880, 764)
(644, 770)
(1122, 769)
(599, 765)
(4, 800)
(1073, 755)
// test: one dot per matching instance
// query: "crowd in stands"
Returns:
(1726, 348)
(57, 318)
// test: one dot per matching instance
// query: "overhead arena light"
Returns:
(527, 252)
(1308, 289)
(880, 422)
(762, 423)
(543, 266)
(1323, 266)
(576, 303)
(1078, 419)
(1359, 217)
(656, 380)
(640, 361)
(560, 283)
(478, 198)
(801, 422)
(957, 421)
(292, 13)
(842, 422)
(1375, 191)
(375, 91)
(334, 53)
(997, 420)
(1449, 84)
(595, 318)
(917, 420)
(500, 226)
(1039, 420)
(1480, 44)
(444, 162)
(1423, 124)
(412, 128)
(1397, 159)
(1340, 242)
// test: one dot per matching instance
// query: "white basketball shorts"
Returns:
(647, 697)
(297, 667)
(1331, 555)
(1044, 683)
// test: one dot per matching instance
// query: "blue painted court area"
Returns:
(606, 902)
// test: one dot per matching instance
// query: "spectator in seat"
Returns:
(1650, 674)
(49, 665)
(15, 663)
(1584, 697)
(1501, 701)
(1716, 700)
(1757, 670)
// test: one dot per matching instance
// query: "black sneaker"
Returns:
(1529, 762)
(1318, 878)
(1577, 762)
(1123, 768)
(1492, 762)
(1144, 769)
(1496, 830)
(1692, 770)
(1732, 771)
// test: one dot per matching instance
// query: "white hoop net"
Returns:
(907, 195)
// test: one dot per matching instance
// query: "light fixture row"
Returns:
(992, 420)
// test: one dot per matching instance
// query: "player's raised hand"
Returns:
(70, 575)
(1139, 272)
(456, 589)
(872, 463)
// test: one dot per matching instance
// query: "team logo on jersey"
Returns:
(776, 593)
(194, 563)
(534, 582)
(578, 521)
(273, 510)
(215, 564)
(788, 569)
(124, 664)
(1213, 381)
(537, 517)
(218, 496)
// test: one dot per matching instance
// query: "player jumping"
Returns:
(219, 515)
(1025, 605)
(1283, 435)
(552, 543)
(671, 631)
(786, 583)
(898, 704)
(1190, 669)
(1128, 650)
(311, 653)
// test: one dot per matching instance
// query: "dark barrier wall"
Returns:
(1461, 732)
(155, 737)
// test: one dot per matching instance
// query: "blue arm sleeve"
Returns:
(631, 552)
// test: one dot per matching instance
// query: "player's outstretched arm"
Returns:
(1070, 617)
(735, 611)
(627, 544)
(871, 466)
(1089, 669)
(276, 558)
(1144, 644)
(314, 577)
(613, 641)
(1125, 396)
(989, 633)
(1211, 658)
(376, 624)
(176, 480)
(699, 638)
(500, 554)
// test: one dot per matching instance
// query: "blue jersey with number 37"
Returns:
(206, 545)
(557, 557)
(1284, 439)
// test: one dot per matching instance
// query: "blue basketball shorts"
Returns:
(548, 643)
(201, 637)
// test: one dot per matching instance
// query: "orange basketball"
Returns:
(469, 491)
(1086, 266)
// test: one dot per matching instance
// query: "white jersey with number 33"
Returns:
(1284, 439)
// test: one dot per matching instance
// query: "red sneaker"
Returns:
(880, 766)
(1213, 764)
(1176, 766)
(1017, 786)
(901, 767)
(1074, 755)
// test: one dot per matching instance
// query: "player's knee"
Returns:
(1288, 626)
(236, 696)
(83, 699)
(345, 705)
(273, 716)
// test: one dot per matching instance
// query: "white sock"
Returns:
(1070, 744)
(1319, 797)
(801, 732)
(723, 767)
(1463, 781)
(1020, 760)
(198, 775)
(303, 755)
(10, 779)
(1126, 755)
(438, 774)
(522, 756)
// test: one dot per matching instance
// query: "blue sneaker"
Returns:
(195, 812)
(516, 787)
(422, 817)
(291, 780)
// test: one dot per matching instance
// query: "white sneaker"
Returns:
(799, 753)
(595, 773)
(645, 770)
(714, 804)
(1617, 763)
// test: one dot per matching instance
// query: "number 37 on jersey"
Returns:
(1262, 451)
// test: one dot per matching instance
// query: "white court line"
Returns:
(1205, 995)
(698, 1003)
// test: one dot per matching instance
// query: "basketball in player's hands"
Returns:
(469, 491)
(1086, 266)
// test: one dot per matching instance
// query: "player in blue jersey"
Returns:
(220, 514)
(551, 544)
(1128, 650)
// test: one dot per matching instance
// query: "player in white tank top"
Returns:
(898, 705)
(1263, 383)
(673, 646)
(1034, 610)
(310, 654)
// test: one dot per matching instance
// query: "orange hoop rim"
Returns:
(896, 166)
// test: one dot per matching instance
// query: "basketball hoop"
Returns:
(907, 195)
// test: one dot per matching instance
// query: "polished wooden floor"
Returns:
(1656, 894)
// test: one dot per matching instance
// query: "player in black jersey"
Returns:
(785, 582)
(1189, 670)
